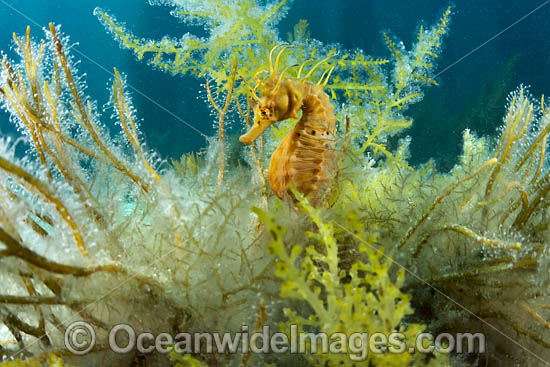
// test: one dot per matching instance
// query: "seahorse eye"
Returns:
(265, 113)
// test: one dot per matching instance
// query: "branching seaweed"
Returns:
(78, 185)
(364, 299)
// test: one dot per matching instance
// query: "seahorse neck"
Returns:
(316, 105)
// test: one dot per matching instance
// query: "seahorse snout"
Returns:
(258, 128)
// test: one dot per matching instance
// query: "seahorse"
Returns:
(305, 158)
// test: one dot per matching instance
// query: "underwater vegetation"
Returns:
(95, 227)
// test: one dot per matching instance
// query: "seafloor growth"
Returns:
(95, 227)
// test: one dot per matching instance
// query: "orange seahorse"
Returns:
(305, 157)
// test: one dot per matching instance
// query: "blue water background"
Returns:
(471, 93)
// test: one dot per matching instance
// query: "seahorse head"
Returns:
(280, 100)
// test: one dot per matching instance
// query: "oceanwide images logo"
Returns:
(80, 338)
